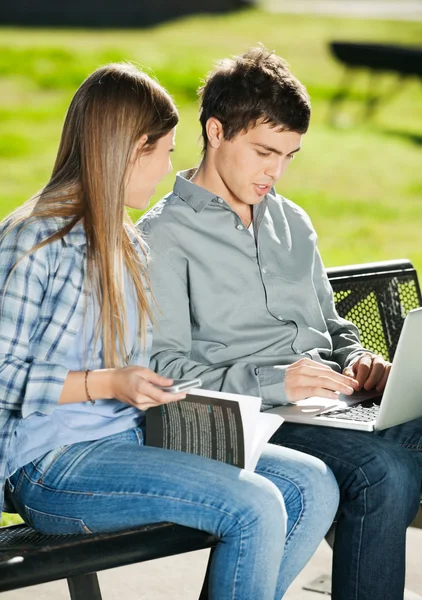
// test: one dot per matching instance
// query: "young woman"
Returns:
(75, 334)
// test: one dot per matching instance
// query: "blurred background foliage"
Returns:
(360, 182)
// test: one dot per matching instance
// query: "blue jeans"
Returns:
(117, 483)
(379, 476)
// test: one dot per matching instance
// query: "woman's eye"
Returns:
(290, 156)
(262, 153)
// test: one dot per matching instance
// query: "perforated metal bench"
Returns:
(375, 296)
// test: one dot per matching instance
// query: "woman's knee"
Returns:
(255, 502)
(323, 492)
(305, 481)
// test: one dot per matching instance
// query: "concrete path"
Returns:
(406, 10)
(180, 578)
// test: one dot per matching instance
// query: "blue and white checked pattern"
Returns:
(42, 310)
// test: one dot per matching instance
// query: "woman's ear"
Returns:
(138, 147)
(141, 143)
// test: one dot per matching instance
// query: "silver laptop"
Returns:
(400, 402)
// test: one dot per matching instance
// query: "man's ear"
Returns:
(215, 132)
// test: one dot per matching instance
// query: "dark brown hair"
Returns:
(255, 86)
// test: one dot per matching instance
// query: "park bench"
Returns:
(375, 296)
(404, 61)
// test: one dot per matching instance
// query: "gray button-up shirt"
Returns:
(232, 305)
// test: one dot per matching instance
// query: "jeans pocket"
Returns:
(54, 524)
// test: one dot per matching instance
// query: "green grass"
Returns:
(360, 183)
(10, 520)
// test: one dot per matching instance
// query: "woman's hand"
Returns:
(137, 386)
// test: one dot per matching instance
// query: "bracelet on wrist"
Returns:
(87, 394)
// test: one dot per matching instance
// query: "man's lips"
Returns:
(262, 189)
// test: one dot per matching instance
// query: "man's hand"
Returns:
(306, 378)
(369, 371)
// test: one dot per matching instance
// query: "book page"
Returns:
(207, 426)
(266, 426)
(258, 427)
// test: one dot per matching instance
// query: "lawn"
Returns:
(361, 183)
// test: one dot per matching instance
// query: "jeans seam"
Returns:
(318, 454)
(412, 446)
(235, 578)
(42, 474)
(136, 494)
(298, 488)
(360, 544)
(140, 438)
(29, 510)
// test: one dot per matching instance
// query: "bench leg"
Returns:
(82, 587)
(341, 95)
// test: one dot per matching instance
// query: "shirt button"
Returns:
(239, 227)
(220, 200)
(264, 270)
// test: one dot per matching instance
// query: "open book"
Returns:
(225, 427)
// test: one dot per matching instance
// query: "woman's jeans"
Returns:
(379, 475)
(117, 483)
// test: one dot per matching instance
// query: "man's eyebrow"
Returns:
(270, 149)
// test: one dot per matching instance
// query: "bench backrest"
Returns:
(376, 297)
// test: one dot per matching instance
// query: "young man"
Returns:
(246, 305)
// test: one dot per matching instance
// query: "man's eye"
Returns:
(263, 153)
(290, 156)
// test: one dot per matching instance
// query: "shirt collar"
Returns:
(76, 236)
(197, 197)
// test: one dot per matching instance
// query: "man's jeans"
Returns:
(379, 476)
(117, 482)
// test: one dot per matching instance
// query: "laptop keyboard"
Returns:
(354, 413)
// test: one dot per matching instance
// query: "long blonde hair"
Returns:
(111, 110)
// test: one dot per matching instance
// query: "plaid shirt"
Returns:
(42, 310)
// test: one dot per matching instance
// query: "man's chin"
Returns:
(254, 201)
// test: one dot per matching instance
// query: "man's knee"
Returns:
(389, 478)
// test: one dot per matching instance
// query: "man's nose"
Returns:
(276, 168)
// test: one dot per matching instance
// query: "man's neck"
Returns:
(207, 177)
